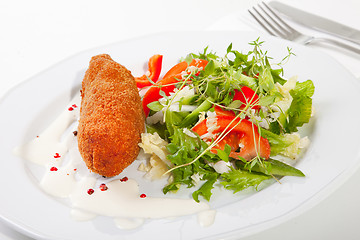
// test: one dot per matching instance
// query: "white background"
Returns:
(37, 34)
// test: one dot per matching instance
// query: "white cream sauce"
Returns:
(66, 176)
(206, 218)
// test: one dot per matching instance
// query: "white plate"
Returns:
(332, 157)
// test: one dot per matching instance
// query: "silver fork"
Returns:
(275, 26)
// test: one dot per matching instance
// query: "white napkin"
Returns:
(243, 21)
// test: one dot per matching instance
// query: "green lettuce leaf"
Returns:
(205, 189)
(278, 143)
(272, 167)
(300, 109)
(184, 149)
(242, 79)
(276, 76)
(238, 180)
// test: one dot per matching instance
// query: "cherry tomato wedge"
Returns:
(223, 112)
(167, 83)
(177, 69)
(199, 63)
(244, 140)
(154, 68)
(247, 96)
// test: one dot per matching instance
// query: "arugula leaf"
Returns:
(181, 176)
(172, 119)
(205, 189)
(184, 149)
(272, 167)
(240, 60)
(276, 76)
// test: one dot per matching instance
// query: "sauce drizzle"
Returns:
(68, 177)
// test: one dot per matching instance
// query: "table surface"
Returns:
(37, 34)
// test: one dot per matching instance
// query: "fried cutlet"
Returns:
(111, 117)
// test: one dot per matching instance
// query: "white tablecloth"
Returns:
(37, 34)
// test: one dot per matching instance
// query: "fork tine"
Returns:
(274, 30)
(278, 18)
(274, 20)
(272, 23)
(260, 22)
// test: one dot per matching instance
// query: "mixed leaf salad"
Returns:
(213, 119)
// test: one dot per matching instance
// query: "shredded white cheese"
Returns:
(221, 166)
(284, 90)
(158, 164)
(211, 125)
(175, 98)
(153, 143)
(189, 133)
(196, 178)
(157, 117)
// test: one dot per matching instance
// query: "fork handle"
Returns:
(337, 43)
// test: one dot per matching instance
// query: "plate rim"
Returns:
(340, 179)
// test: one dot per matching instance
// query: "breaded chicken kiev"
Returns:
(111, 117)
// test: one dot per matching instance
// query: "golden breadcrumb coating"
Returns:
(111, 117)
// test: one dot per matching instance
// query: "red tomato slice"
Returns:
(223, 112)
(154, 65)
(199, 63)
(244, 137)
(153, 94)
(247, 96)
(167, 83)
(177, 69)
(182, 66)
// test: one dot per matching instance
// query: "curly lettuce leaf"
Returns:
(300, 109)
(238, 180)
